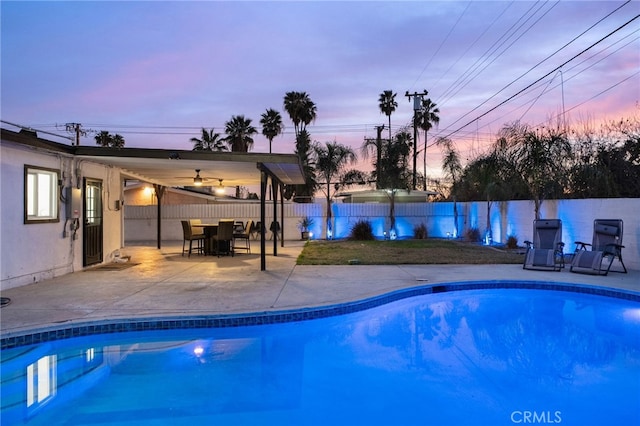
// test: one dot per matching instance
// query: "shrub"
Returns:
(362, 230)
(472, 235)
(512, 242)
(420, 232)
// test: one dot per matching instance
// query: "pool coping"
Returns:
(167, 322)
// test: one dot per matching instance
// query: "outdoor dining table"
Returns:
(210, 230)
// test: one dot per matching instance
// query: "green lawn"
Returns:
(429, 251)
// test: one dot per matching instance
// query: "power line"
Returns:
(442, 43)
(497, 18)
(544, 60)
(572, 76)
(604, 91)
(546, 75)
(485, 57)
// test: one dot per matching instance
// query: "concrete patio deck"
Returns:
(165, 284)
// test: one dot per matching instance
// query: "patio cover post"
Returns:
(281, 186)
(263, 192)
(159, 193)
(274, 187)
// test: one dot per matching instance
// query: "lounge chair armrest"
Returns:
(581, 245)
(613, 248)
(529, 244)
(560, 246)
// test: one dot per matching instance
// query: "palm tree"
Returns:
(106, 139)
(371, 145)
(394, 172)
(304, 150)
(388, 104)
(239, 133)
(452, 169)
(210, 141)
(539, 156)
(272, 126)
(330, 160)
(427, 117)
(301, 110)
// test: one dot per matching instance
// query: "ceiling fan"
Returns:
(199, 180)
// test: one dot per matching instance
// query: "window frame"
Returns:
(54, 195)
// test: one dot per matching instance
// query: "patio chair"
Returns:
(275, 230)
(243, 234)
(546, 250)
(224, 237)
(188, 235)
(195, 230)
(256, 231)
(606, 245)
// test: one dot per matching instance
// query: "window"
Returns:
(93, 203)
(41, 195)
(41, 381)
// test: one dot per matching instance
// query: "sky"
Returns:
(157, 72)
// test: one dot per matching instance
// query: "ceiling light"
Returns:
(220, 189)
(197, 181)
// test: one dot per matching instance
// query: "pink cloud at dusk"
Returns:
(157, 72)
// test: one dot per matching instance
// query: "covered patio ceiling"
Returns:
(178, 167)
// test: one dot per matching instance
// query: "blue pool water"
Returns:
(474, 357)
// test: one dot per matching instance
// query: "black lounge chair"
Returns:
(606, 246)
(546, 251)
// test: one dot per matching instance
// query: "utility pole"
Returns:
(378, 140)
(379, 153)
(77, 129)
(417, 106)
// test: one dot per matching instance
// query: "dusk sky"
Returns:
(157, 72)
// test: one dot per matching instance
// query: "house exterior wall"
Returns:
(512, 218)
(35, 252)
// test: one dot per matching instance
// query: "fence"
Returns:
(511, 218)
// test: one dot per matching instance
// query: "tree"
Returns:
(394, 165)
(606, 163)
(239, 133)
(452, 169)
(108, 140)
(301, 110)
(330, 160)
(210, 141)
(387, 103)
(539, 156)
(272, 126)
(304, 150)
(374, 145)
(427, 117)
(394, 170)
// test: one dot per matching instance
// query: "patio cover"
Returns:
(164, 168)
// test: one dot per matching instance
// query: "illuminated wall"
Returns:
(512, 218)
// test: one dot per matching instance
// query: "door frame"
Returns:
(93, 222)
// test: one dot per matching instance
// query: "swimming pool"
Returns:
(475, 356)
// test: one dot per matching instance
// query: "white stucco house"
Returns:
(61, 205)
